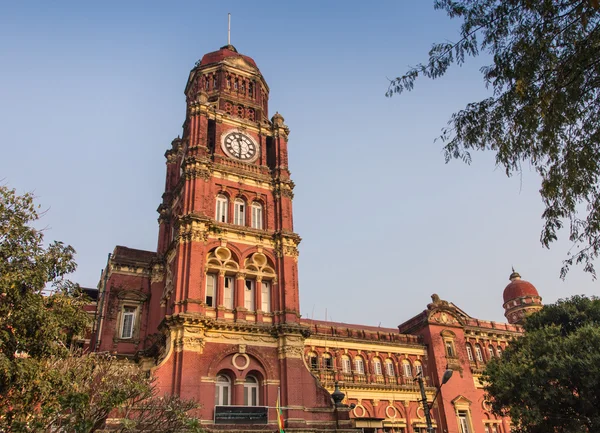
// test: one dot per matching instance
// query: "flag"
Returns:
(279, 414)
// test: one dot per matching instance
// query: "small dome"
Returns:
(222, 53)
(518, 288)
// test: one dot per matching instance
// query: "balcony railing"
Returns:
(329, 376)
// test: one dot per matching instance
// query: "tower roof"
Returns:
(224, 52)
(518, 288)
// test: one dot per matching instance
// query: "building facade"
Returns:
(214, 312)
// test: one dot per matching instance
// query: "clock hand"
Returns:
(239, 140)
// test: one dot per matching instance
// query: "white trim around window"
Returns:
(239, 212)
(265, 296)
(257, 216)
(221, 209)
(128, 321)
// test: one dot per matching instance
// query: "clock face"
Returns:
(239, 146)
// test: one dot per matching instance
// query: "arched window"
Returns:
(265, 296)
(499, 351)
(406, 368)
(389, 368)
(491, 351)
(359, 365)
(478, 353)
(221, 212)
(470, 353)
(377, 366)
(239, 212)
(257, 216)
(228, 291)
(251, 89)
(223, 391)
(327, 361)
(211, 285)
(249, 295)
(418, 368)
(313, 361)
(450, 349)
(346, 365)
(251, 391)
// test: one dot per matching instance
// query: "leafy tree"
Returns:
(44, 384)
(545, 105)
(79, 393)
(548, 380)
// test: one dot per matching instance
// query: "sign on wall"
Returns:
(241, 415)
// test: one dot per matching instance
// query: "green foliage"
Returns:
(548, 380)
(44, 384)
(33, 326)
(78, 393)
(545, 77)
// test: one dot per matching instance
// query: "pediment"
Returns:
(461, 401)
(443, 316)
(132, 295)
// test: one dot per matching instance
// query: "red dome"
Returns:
(224, 52)
(518, 288)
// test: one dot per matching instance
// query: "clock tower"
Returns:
(224, 287)
(226, 217)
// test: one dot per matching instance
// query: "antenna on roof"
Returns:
(228, 29)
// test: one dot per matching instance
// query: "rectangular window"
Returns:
(211, 280)
(419, 369)
(265, 293)
(239, 215)
(470, 353)
(346, 365)
(377, 367)
(228, 293)
(478, 353)
(359, 366)
(389, 368)
(221, 211)
(407, 369)
(257, 216)
(449, 349)
(249, 295)
(463, 421)
(128, 322)
(250, 396)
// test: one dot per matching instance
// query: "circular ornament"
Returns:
(242, 365)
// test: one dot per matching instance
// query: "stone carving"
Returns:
(168, 286)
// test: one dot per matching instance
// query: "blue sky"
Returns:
(92, 95)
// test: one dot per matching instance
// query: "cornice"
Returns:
(368, 345)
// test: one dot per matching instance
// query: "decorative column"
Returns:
(240, 309)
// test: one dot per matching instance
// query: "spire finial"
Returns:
(228, 29)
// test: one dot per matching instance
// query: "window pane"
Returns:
(266, 296)
(377, 367)
(128, 320)
(249, 295)
(256, 215)
(228, 293)
(210, 289)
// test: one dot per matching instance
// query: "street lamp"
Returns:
(426, 406)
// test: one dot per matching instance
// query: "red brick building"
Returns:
(214, 312)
